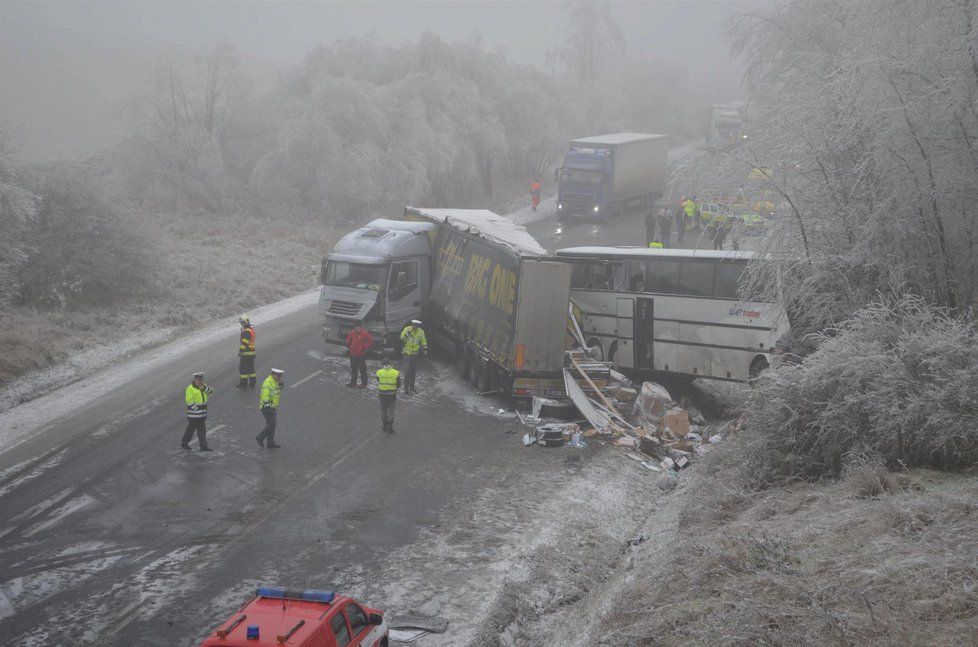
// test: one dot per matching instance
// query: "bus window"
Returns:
(591, 276)
(636, 276)
(728, 279)
(621, 277)
(662, 276)
(696, 278)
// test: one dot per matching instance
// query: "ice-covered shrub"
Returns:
(84, 251)
(899, 381)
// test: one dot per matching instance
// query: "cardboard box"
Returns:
(675, 423)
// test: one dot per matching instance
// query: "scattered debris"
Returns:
(695, 416)
(528, 440)
(576, 441)
(624, 394)
(649, 466)
(412, 620)
(635, 541)
(552, 434)
(406, 635)
(665, 483)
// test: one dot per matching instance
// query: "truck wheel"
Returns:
(462, 363)
(483, 382)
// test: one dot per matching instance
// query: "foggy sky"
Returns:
(66, 67)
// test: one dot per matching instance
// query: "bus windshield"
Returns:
(354, 275)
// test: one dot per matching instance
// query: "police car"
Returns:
(278, 616)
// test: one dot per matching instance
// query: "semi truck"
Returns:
(603, 176)
(487, 293)
(726, 126)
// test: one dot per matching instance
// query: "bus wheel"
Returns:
(758, 366)
(594, 350)
(462, 363)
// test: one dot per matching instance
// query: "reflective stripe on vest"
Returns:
(196, 401)
(387, 377)
(247, 346)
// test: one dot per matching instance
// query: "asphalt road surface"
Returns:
(110, 534)
(109, 530)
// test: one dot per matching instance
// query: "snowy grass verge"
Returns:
(873, 558)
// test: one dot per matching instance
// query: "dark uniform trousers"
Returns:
(387, 403)
(410, 370)
(246, 369)
(358, 363)
(198, 426)
(268, 433)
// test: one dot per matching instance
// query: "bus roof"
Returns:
(649, 252)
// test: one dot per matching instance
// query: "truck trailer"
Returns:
(604, 176)
(487, 293)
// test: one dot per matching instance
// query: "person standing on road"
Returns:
(388, 379)
(246, 353)
(665, 227)
(359, 341)
(690, 213)
(196, 399)
(271, 390)
(415, 343)
(681, 220)
(535, 194)
(650, 221)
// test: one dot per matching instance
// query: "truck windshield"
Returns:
(581, 175)
(354, 275)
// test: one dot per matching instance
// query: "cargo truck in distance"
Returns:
(726, 126)
(487, 293)
(604, 176)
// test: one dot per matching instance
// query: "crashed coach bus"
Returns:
(487, 292)
(673, 310)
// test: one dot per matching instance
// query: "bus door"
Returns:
(643, 324)
(625, 330)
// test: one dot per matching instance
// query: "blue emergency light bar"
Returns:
(282, 593)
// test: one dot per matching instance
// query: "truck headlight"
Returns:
(595, 208)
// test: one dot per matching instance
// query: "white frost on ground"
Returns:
(19, 422)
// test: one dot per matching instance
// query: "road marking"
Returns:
(306, 378)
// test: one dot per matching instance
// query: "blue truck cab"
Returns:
(603, 176)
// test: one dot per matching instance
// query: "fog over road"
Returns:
(110, 532)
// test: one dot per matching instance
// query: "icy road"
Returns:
(110, 534)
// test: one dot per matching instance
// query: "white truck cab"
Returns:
(379, 275)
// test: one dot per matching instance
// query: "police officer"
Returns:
(196, 399)
(388, 380)
(246, 353)
(415, 343)
(271, 390)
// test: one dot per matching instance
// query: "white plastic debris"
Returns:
(528, 440)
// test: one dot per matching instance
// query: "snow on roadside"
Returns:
(19, 421)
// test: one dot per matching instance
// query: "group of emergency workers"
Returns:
(688, 216)
(359, 341)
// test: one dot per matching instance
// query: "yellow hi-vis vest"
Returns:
(270, 390)
(656, 245)
(413, 340)
(196, 400)
(387, 379)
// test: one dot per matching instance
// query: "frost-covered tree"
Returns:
(18, 206)
(865, 115)
(184, 125)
